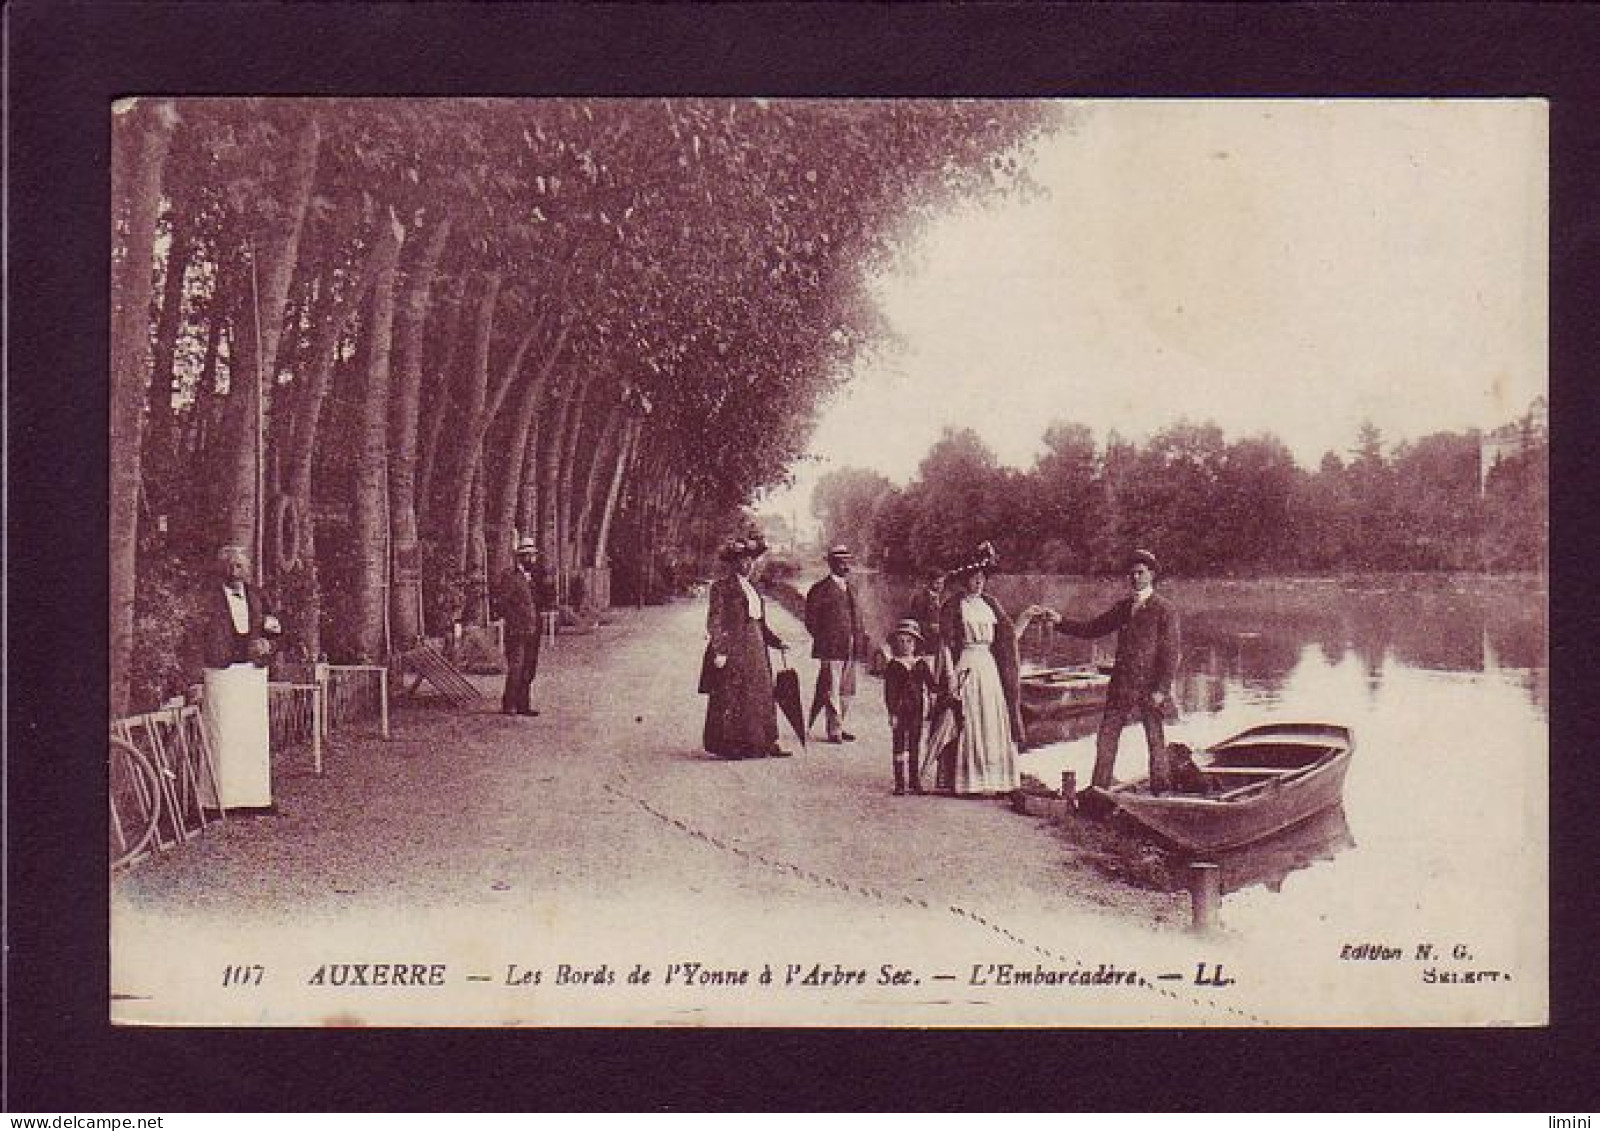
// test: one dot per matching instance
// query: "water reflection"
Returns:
(1445, 683)
(1269, 862)
(1250, 636)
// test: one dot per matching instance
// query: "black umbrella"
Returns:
(823, 692)
(786, 691)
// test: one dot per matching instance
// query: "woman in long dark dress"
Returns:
(736, 674)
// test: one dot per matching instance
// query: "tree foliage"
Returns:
(1210, 506)
(610, 323)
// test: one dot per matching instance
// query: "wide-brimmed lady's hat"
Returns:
(735, 548)
(983, 560)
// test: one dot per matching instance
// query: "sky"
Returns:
(1295, 267)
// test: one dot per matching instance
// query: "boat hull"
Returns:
(1277, 795)
(1062, 692)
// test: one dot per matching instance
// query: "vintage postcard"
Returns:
(829, 562)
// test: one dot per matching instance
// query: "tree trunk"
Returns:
(554, 435)
(569, 460)
(369, 514)
(478, 433)
(528, 490)
(259, 331)
(158, 434)
(456, 498)
(405, 612)
(145, 132)
(301, 571)
(599, 465)
(510, 505)
(436, 399)
(625, 454)
(204, 404)
(477, 611)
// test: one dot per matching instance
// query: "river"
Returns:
(1444, 680)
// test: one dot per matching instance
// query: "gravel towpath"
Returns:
(597, 843)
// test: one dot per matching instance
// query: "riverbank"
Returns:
(599, 835)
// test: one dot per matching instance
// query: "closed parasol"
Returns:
(945, 724)
(786, 691)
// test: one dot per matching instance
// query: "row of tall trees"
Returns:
(1208, 505)
(375, 339)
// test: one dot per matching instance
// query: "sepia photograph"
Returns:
(829, 562)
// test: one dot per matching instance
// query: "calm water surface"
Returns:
(1443, 679)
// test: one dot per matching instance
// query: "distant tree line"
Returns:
(1208, 506)
(374, 340)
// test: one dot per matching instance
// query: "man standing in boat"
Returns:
(1141, 684)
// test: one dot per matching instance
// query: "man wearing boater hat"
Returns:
(517, 599)
(833, 618)
(1141, 684)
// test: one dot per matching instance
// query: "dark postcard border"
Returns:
(67, 61)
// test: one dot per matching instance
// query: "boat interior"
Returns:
(1239, 769)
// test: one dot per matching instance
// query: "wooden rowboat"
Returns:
(1258, 782)
(1058, 692)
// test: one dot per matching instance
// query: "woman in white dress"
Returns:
(978, 747)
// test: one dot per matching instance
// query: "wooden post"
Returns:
(383, 700)
(1205, 896)
(318, 721)
(1069, 785)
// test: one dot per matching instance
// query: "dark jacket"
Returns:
(925, 611)
(833, 618)
(728, 626)
(1147, 647)
(906, 689)
(220, 645)
(1004, 648)
(518, 598)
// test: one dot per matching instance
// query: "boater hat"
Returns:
(841, 553)
(910, 627)
(527, 546)
(1142, 557)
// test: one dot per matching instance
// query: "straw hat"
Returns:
(910, 628)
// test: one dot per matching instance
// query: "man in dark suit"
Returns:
(1141, 684)
(518, 598)
(833, 619)
(924, 610)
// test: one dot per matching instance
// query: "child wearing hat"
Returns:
(907, 680)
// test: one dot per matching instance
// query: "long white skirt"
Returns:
(986, 751)
(235, 715)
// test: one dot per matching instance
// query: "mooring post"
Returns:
(1069, 785)
(1205, 896)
